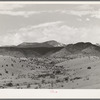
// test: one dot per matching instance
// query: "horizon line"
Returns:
(49, 41)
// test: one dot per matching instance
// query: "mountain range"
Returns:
(51, 43)
(50, 48)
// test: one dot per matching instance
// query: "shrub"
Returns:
(28, 86)
(66, 78)
(58, 81)
(88, 67)
(12, 74)
(9, 84)
(12, 65)
(17, 84)
(7, 65)
(58, 72)
(6, 71)
(52, 76)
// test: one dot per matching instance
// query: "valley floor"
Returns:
(82, 72)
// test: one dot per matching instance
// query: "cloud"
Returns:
(12, 10)
(91, 14)
(80, 10)
(7, 7)
(15, 10)
(83, 10)
(40, 32)
(58, 31)
(29, 33)
(85, 7)
(87, 19)
(52, 31)
(19, 13)
(43, 25)
(96, 14)
(10, 39)
(79, 19)
(81, 13)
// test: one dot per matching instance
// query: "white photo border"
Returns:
(50, 93)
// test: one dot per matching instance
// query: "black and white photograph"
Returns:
(49, 46)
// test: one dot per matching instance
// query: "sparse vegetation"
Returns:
(28, 86)
(12, 65)
(88, 67)
(6, 71)
(50, 71)
(9, 84)
(7, 65)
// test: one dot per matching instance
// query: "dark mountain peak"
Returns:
(28, 43)
(83, 44)
(51, 47)
(78, 46)
(55, 43)
(51, 43)
(33, 45)
(83, 48)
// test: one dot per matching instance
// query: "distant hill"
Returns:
(51, 43)
(78, 48)
(50, 49)
(17, 52)
(61, 53)
(54, 43)
(75, 48)
(27, 52)
(33, 45)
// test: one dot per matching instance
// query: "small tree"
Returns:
(43, 81)
(17, 84)
(7, 65)
(6, 71)
(66, 79)
(12, 74)
(9, 84)
(88, 67)
(12, 65)
(28, 86)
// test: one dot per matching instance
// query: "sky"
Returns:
(65, 23)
